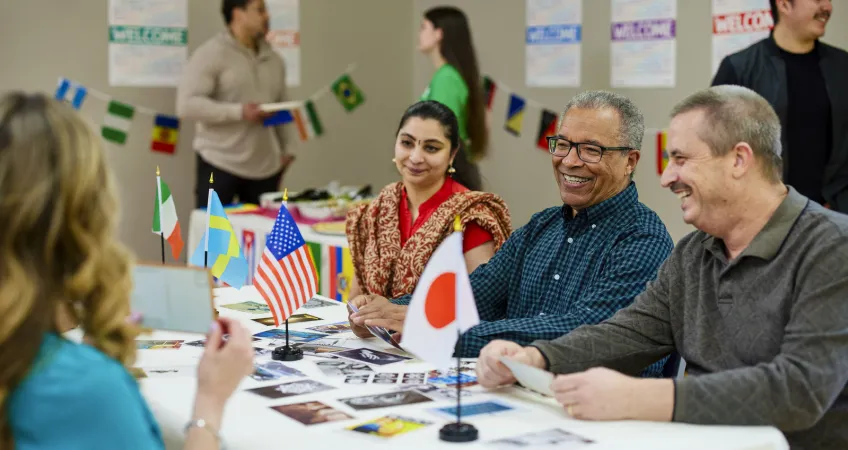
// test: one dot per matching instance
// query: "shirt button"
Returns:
(556, 276)
(570, 240)
(593, 225)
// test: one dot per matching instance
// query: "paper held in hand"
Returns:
(530, 377)
(283, 106)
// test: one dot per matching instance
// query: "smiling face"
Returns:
(806, 18)
(422, 153)
(583, 184)
(702, 181)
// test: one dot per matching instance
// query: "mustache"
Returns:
(676, 187)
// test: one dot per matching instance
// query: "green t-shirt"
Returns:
(448, 88)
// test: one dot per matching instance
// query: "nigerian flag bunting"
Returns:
(117, 123)
(165, 218)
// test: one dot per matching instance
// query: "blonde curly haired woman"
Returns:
(61, 267)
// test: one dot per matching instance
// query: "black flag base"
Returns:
(458, 432)
(287, 353)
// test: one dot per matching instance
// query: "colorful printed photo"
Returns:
(158, 345)
(311, 413)
(333, 328)
(249, 307)
(389, 426)
(291, 389)
(294, 336)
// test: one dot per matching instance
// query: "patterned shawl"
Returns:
(373, 232)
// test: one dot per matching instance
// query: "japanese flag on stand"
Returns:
(442, 305)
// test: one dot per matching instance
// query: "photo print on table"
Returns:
(439, 393)
(273, 370)
(390, 426)
(315, 302)
(552, 439)
(396, 398)
(291, 389)
(371, 356)
(333, 328)
(358, 379)
(294, 336)
(248, 307)
(311, 413)
(316, 349)
(473, 409)
(342, 368)
(158, 345)
(269, 321)
(385, 378)
(414, 378)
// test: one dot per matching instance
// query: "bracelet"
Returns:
(201, 423)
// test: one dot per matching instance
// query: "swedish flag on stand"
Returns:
(225, 257)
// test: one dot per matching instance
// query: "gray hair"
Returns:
(735, 114)
(631, 127)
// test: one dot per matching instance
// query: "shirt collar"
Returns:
(775, 49)
(609, 207)
(435, 200)
(263, 50)
(768, 241)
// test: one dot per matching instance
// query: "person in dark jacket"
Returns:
(805, 81)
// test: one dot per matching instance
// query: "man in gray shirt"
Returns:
(755, 301)
(226, 80)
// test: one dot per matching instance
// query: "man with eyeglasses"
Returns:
(573, 264)
(754, 300)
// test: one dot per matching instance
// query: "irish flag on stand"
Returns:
(165, 217)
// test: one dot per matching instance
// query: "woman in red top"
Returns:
(391, 239)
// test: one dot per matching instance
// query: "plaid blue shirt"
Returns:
(559, 272)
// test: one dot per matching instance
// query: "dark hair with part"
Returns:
(227, 7)
(434, 110)
(734, 114)
(457, 48)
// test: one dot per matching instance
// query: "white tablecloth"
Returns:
(249, 423)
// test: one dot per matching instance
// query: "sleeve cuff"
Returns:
(544, 356)
(402, 300)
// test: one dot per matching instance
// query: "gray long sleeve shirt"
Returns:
(764, 336)
(220, 77)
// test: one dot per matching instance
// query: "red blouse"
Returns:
(473, 236)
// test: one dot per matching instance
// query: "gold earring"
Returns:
(451, 170)
(394, 160)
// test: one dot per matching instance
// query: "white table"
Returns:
(249, 423)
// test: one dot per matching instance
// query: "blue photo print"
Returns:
(474, 409)
(294, 336)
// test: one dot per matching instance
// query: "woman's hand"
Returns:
(222, 367)
(380, 312)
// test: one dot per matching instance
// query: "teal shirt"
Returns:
(448, 88)
(76, 397)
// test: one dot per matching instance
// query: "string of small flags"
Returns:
(514, 120)
(119, 116)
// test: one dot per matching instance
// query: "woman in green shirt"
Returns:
(446, 38)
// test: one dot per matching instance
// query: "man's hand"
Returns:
(380, 312)
(604, 394)
(251, 113)
(491, 372)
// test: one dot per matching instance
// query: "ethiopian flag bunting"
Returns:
(347, 93)
(117, 123)
(165, 218)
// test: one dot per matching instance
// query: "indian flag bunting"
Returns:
(165, 218)
(116, 125)
(306, 120)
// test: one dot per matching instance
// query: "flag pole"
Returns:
(287, 352)
(458, 431)
(159, 208)
(208, 217)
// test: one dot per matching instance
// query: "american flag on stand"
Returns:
(286, 276)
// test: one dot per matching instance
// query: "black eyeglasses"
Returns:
(587, 152)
